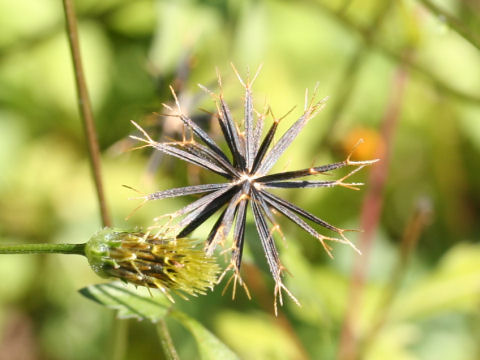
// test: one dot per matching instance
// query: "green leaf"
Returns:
(265, 338)
(453, 286)
(209, 346)
(129, 301)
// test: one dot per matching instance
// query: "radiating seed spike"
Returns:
(208, 91)
(147, 137)
(238, 75)
(256, 74)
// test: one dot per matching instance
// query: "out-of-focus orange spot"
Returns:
(371, 147)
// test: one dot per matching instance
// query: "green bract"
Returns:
(152, 261)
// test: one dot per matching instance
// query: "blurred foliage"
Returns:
(132, 51)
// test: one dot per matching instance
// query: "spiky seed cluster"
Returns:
(247, 180)
(152, 261)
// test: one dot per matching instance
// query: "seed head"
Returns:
(248, 182)
(152, 261)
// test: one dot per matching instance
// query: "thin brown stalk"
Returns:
(85, 108)
(119, 330)
(372, 206)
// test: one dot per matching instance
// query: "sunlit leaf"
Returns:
(130, 302)
(394, 343)
(454, 285)
(257, 336)
(209, 346)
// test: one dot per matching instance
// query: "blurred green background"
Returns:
(413, 65)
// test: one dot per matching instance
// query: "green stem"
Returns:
(166, 340)
(394, 55)
(119, 339)
(78, 249)
(347, 83)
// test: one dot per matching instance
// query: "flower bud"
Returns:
(152, 261)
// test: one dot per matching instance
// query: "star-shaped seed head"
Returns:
(247, 180)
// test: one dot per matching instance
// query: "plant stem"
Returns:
(78, 249)
(166, 340)
(395, 56)
(85, 108)
(346, 85)
(454, 23)
(119, 339)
